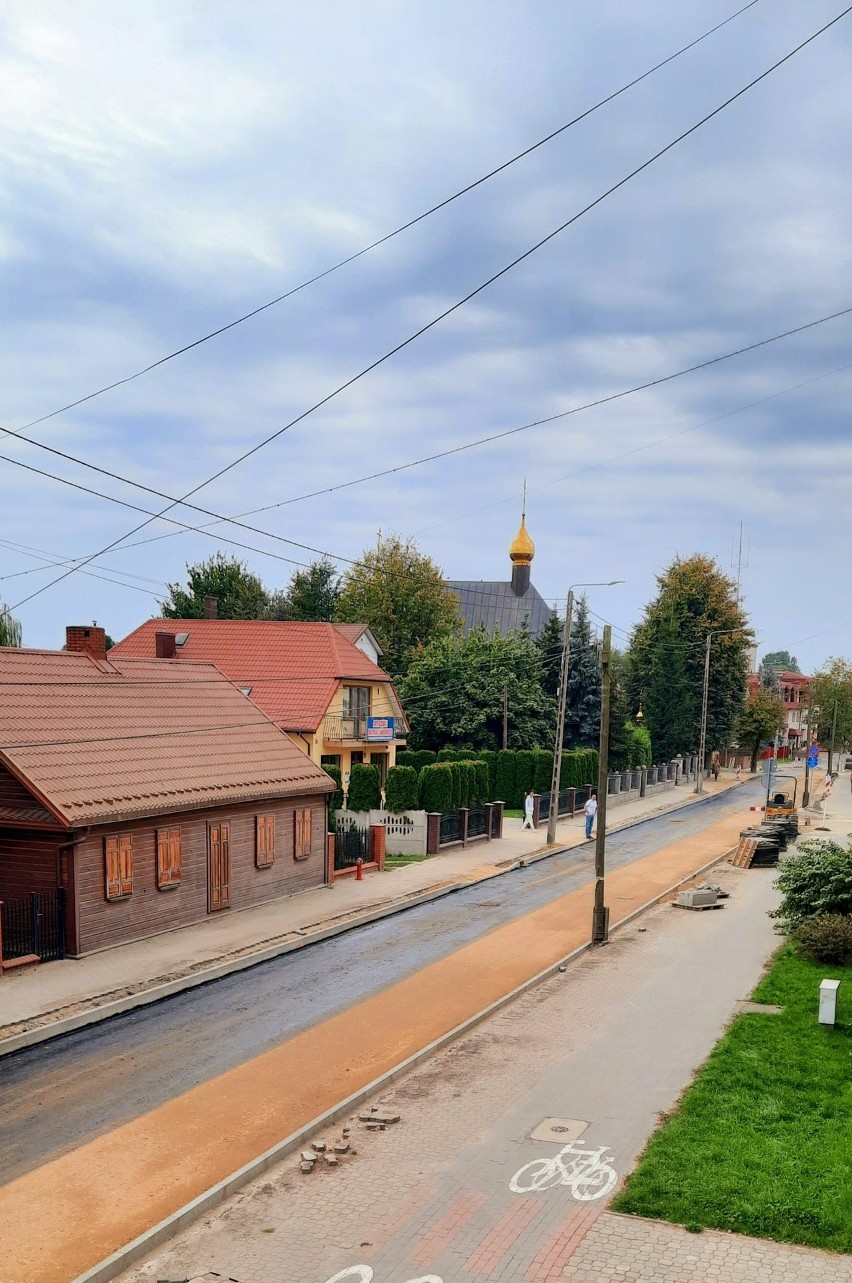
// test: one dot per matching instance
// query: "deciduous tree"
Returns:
(239, 594)
(761, 717)
(10, 627)
(831, 690)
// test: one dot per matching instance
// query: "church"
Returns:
(505, 604)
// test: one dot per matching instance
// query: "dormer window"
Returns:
(181, 639)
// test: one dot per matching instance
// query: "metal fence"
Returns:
(476, 824)
(450, 828)
(351, 844)
(35, 924)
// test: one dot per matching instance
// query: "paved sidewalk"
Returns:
(599, 1052)
(60, 990)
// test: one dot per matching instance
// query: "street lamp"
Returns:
(702, 748)
(563, 701)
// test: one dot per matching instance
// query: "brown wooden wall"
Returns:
(147, 911)
(27, 862)
(12, 791)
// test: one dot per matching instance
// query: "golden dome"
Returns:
(522, 548)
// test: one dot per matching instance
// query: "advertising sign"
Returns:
(380, 729)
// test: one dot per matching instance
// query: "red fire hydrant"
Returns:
(359, 870)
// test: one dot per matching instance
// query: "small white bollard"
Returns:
(828, 1001)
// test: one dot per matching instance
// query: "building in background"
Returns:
(507, 605)
(793, 689)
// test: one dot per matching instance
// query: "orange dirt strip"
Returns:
(64, 1217)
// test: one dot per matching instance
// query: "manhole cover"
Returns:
(559, 1131)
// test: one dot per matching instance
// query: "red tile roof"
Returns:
(97, 741)
(293, 669)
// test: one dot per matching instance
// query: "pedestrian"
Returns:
(529, 808)
(590, 810)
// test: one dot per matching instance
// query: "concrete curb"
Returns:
(158, 1234)
(158, 993)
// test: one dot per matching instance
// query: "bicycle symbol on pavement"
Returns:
(586, 1174)
(364, 1274)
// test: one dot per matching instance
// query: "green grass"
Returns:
(761, 1143)
(513, 815)
(400, 861)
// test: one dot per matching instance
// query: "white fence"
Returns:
(404, 834)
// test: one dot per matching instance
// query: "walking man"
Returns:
(590, 810)
(529, 808)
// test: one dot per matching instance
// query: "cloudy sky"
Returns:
(167, 167)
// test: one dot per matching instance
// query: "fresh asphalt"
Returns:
(58, 1095)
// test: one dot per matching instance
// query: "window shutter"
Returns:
(113, 875)
(265, 841)
(225, 841)
(168, 858)
(125, 860)
(302, 846)
(174, 857)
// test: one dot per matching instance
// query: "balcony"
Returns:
(344, 730)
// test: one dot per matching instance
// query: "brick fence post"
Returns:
(643, 780)
(499, 808)
(572, 802)
(464, 814)
(488, 809)
(536, 809)
(377, 845)
(329, 858)
(433, 832)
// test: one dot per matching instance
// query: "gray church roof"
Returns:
(495, 604)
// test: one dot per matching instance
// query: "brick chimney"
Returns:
(164, 645)
(89, 640)
(211, 608)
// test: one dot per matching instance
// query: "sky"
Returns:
(166, 168)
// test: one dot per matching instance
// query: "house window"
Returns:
(264, 843)
(118, 858)
(168, 858)
(302, 844)
(356, 701)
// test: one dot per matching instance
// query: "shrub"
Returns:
(816, 881)
(401, 789)
(481, 783)
(448, 755)
(469, 785)
(638, 745)
(364, 791)
(424, 757)
(524, 773)
(543, 771)
(505, 777)
(335, 802)
(435, 787)
(827, 938)
(406, 757)
(489, 757)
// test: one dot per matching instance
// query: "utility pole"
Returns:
(560, 721)
(505, 714)
(833, 734)
(806, 794)
(771, 771)
(600, 914)
(702, 749)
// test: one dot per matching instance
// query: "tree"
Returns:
(453, 693)
(780, 661)
(312, 594)
(239, 593)
(583, 707)
(831, 691)
(401, 595)
(667, 653)
(10, 628)
(549, 646)
(760, 719)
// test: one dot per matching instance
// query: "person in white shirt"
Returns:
(591, 810)
(529, 808)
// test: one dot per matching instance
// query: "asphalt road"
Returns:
(60, 1094)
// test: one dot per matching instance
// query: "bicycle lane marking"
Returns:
(587, 1175)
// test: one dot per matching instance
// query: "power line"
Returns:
(460, 302)
(434, 209)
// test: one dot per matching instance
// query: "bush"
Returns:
(543, 771)
(816, 881)
(524, 773)
(435, 787)
(448, 755)
(425, 757)
(638, 745)
(505, 776)
(364, 791)
(827, 938)
(406, 757)
(489, 757)
(335, 801)
(481, 783)
(401, 789)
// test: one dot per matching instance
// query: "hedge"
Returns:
(505, 777)
(524, 773)
(543, 771)
(489, 757)
(364, 791)
(482, 783)
(435, 787)
(418, 758)
(401, 789)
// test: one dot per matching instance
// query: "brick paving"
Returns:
(611, 1044)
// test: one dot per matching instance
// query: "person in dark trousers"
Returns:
(590, 810)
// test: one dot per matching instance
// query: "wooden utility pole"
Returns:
(600, 914)
(560, 722)
(806, 795)
(505, 715)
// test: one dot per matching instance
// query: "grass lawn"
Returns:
(512, 815)
(762, 1141)
(400, 861)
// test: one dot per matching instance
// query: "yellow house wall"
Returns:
(381, 705)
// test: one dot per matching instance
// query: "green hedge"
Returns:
(543, 771)
(505, 777)
(418, 758)
(489, 757)
(364, 790)
(524, 773)
(435, 787)
(401, 789)
(481, 782)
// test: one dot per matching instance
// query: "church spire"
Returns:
(521, 553)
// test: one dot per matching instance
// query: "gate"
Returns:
(35, 924)
(351, 844)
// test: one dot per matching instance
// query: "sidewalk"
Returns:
(591, 1057)
(78, 991)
